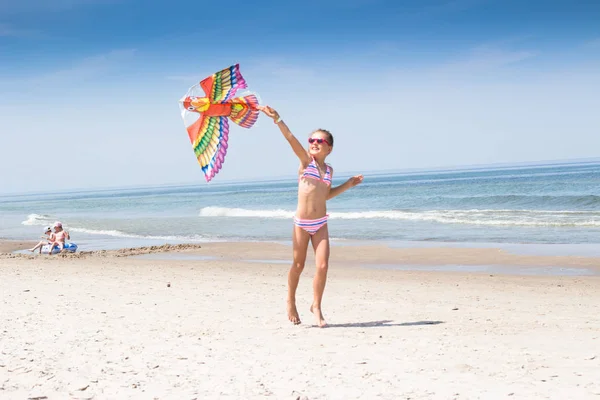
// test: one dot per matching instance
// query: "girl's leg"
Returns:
(52, 246)
(300, 240)
(37, 246)
(320, 242)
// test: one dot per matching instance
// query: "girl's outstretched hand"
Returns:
(269, 112)
(355, 180)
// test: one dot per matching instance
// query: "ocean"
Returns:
(534, 204)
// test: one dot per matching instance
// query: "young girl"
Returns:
(48, 239)
(310, 222)
(60, 238)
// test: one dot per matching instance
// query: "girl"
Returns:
(48, 239)
(310, 222)
(60, 238)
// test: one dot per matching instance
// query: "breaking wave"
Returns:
(469, 217)
(46, 220)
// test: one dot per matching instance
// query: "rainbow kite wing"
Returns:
(244, 111)
(209, 141)
(223, 85)
(206, 108)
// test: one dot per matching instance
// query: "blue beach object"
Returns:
(70, 247)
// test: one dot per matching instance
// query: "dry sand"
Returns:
(104, 326)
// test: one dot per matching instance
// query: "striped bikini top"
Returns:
(312, 172)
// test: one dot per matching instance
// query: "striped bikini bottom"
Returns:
(311, 225)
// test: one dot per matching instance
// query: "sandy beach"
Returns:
(8, 246)
(208, 322)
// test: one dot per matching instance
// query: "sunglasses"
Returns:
(318, 140)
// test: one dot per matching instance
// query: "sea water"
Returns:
(536, 204)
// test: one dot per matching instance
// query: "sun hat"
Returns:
(57, 224)
(47, 229)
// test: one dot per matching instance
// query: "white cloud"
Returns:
(278, 68)
(79, 71)
(485, 58)
(9, 7)
(10, 31)
(185, 78)
(594, 43)
(445, 7)
(92, 66)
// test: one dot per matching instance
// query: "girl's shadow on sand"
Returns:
(373, 324)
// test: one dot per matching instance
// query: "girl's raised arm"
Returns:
(293, 141)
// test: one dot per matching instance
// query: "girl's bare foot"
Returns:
(293, 313)
(320, 319)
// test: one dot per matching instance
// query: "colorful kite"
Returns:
(206, 108)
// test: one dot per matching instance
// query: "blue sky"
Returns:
(89, 88)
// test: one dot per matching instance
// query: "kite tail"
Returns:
(244, 111)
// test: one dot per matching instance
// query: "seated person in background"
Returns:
(60, 237)
(48, 239)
